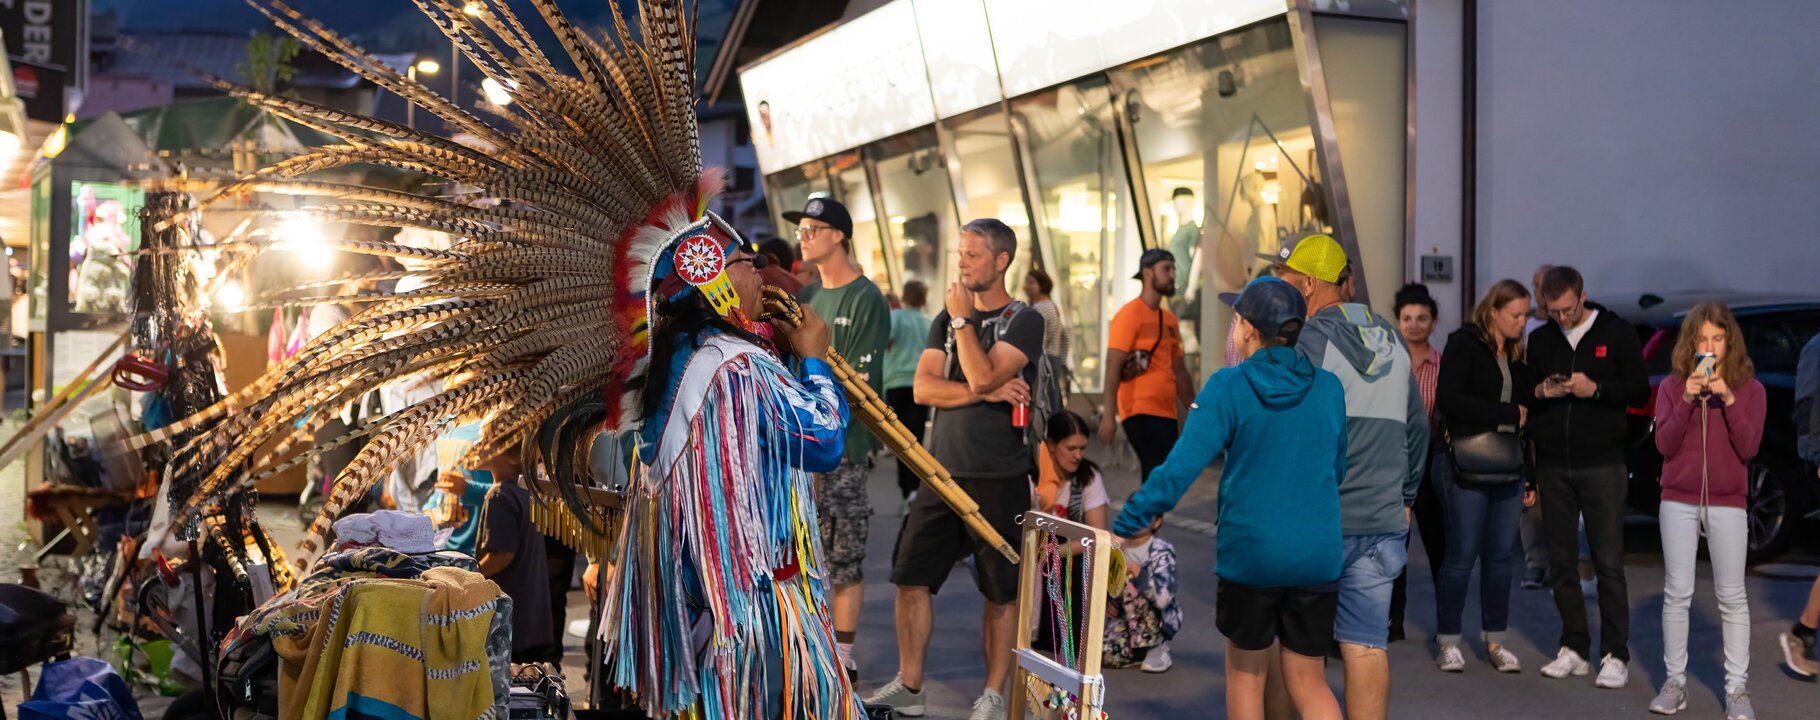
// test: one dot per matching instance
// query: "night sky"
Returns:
(391, 26)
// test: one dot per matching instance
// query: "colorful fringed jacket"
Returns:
(717, 599)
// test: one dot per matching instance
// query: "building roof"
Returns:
(168, 56)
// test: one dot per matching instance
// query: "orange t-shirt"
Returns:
(1136, 327)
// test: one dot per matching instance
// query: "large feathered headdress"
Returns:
(536, 315)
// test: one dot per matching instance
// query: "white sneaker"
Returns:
(1157, 660)
(899, 698)
(1451, 659)
(1503, 660)
(1567, 662)
(989, 706)
(1613, 673)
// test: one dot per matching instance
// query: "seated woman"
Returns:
(1144, 616)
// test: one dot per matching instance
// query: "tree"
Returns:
(268, 61)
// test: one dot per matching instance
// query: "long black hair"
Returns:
(1066, 424)
(679, 321)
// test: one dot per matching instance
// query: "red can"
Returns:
(1020, 415)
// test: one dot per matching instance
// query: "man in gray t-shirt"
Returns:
(974, 370)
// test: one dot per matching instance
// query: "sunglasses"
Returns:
(759, 262)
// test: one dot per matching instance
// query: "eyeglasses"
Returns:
(805, 232)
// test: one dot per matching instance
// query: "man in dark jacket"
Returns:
(1589, 368)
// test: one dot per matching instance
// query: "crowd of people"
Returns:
(1345, 425)
(1341, 431)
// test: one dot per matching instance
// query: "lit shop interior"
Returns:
(1217, 135)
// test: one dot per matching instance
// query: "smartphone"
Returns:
(1557, 379)
(1704, 364)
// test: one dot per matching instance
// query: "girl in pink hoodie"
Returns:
(1709, 420)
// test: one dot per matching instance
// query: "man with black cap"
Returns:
(1146, 373)
(1282, 423)
(861, 323)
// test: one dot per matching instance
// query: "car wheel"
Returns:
(1768, 513)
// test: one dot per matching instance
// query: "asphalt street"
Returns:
(1195, 687)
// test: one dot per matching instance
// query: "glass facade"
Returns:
(919, 209)
(854, 189)
(1086, 229)
(1209, 150)
(987, 182)
(790, 190)
(1223, 131)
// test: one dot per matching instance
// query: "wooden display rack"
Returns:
(1085, 683)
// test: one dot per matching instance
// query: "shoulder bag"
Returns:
(1139, 360)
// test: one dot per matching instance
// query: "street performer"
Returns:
(585, 289)
(718, 598)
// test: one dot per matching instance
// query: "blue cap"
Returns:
(1272, 306)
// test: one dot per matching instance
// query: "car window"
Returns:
(1775, 339)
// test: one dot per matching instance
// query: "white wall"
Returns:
(1436, 43)
(1654, 144)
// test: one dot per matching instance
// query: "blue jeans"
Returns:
(1371, 564)
(1482, 526)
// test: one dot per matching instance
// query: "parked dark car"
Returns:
(1783, 492)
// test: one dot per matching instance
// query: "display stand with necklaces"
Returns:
(1068, 684)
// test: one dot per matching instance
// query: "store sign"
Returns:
(857, 83)
(909, 62)
(958, 49)
(46, 35)
(1044, 42)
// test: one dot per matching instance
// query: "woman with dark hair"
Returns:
(1709, 423)
(1144, 617)
(1038, 287)
(1416, 314)
(1477, 395)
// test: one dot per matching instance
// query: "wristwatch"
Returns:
(960, 321)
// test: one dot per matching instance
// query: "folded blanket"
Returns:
(374, 635)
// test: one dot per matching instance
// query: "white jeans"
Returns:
(1727, 540)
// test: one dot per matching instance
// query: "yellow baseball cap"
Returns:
(1318, 256)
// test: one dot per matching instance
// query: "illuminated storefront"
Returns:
(1217, 130)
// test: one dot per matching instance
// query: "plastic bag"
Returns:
(83, 688)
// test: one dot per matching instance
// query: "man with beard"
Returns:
(1146, 375)
(975, 369)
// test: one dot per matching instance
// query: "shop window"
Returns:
(919, 211)
(790, 190)
(1090, 243)
(1364, 64)
(1229, 167)
(855, 191)
(988, 184)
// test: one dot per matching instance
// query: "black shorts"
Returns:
(1301, 617)
(934, 538)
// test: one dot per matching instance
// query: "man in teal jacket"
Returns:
(1282, 423)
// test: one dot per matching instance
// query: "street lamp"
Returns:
(496, 92)
(427, 67)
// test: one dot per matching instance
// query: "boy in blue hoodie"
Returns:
(1282, 423)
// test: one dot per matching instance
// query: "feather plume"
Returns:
(534, 318)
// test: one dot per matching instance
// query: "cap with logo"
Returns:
(1272, 306)
(825, 210)
(1318, 256)
(1152, 257)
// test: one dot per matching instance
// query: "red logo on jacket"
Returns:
(1599, 351)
